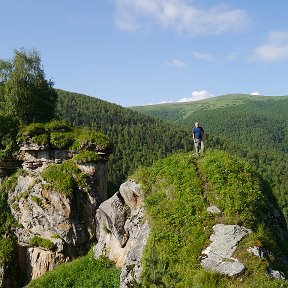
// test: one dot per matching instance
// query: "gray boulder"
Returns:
(122, 231)
(218, 256)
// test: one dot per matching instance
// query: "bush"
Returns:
(7, 220)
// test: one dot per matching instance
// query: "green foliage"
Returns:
(82, 272)
(61, 140)
(8, 132)
(58, 126)
(27, 95)
(176, 212)
(178, 190)
(89, 140)
(64, 178)
(7, 221)
(233, 187)
(60, 135)
(86, 157)
(37, 200)
(7, 251)
(41, 242)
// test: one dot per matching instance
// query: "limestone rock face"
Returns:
(122, 231)
(218, 256)
(35, 260)
(64, 219)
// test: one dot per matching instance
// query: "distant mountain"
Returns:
(138, 139)
(258, 121)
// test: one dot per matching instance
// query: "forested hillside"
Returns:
(253, 127)
(138, 139)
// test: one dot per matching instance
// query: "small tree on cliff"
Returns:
(25, 94)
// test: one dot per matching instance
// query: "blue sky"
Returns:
(138, 52)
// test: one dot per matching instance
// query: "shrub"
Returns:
(37, 200)
(59, 135)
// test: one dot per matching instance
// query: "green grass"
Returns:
(64, 178)
(178, 191)
(86, 157)
(176, 111)
(41, 242)
(60, 135)
(234, 187)
(82, 272)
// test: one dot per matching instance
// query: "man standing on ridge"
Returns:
(198, 134)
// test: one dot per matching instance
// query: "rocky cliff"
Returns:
(53, 198)
(123, 231)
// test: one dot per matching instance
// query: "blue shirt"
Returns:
(198, 132)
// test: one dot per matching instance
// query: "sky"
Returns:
(140, 52)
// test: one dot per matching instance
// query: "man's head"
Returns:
(196, 124)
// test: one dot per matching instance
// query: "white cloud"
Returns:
(275, 48)
(178, 15)
(255, 93)
(197, 95)
(176, 63)
(162, 102)
(202, 56)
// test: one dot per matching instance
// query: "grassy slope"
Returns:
(82, 272)
(177, 111)
(178, 190)
(253, 127)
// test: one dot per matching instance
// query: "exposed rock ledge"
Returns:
(218, 256)
(123, 232)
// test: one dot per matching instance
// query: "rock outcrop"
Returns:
(123, 231)
(218, 256)
(66, 221)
